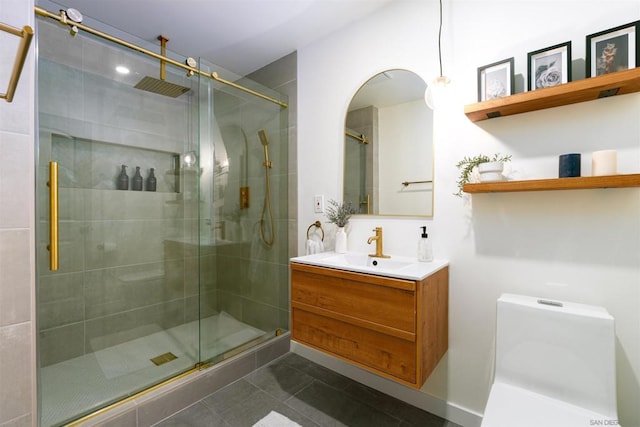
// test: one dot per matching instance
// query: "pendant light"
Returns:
(436, 91)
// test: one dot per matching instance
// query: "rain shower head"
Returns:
(263, 137)
(161, 86)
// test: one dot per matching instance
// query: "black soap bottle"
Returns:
(136, 182)
(151, 181)
(123, 179)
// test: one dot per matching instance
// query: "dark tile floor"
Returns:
(305, 392)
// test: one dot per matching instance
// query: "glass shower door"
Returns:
(357, 173)
(244, 216)
(120, 313)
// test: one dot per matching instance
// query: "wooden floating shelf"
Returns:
(578, 183)
(618, 83)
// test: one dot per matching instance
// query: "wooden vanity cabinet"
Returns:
(392, 327)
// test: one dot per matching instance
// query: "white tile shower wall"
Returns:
(17, 364)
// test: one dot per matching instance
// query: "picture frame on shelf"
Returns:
(549, 67)
(612, 50)
(496, 80)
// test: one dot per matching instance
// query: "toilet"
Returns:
(555, 365)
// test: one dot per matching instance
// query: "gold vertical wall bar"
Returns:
(26, 34)
(53, 216)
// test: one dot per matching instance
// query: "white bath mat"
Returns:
(274, 419)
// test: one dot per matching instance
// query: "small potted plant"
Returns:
(490, 169)
(339, 214)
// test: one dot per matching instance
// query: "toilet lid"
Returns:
(510, 406)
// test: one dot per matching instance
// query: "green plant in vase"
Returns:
(467, 164)
(339, 213)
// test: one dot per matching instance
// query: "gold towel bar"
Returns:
(316, 224)
(359, 136)
(25, 34)
(407, 183)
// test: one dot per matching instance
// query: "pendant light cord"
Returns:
(439, 40)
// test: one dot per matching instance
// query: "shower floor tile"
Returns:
(306, 393)
(97, 379)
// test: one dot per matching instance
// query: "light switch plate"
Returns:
(318, 204)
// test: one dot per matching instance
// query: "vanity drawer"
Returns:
(378, 301)
(385, 354)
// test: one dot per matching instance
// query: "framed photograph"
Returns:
(550, 66)
(495, 80)
(613, 50)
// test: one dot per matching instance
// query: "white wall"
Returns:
(582, 246)
(406, 131)
(17, 231)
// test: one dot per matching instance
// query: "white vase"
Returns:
(341, 240)
(491, 171)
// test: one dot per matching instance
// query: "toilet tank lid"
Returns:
(556, 305)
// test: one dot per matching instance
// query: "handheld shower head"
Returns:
(264, 139)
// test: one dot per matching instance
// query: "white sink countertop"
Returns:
(396, 266)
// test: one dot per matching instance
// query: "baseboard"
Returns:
(417, 398)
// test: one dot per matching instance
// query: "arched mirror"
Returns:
(388, 167)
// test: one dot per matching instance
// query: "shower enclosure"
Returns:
(150, 284)
(361, 160)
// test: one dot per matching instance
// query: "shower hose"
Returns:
(266, 207)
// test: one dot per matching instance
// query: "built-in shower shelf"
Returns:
(578, 183)
(105, 158)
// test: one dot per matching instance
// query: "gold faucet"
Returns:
(378, 239)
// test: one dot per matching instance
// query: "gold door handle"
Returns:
(53, 216)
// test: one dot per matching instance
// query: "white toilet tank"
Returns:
(562, 350)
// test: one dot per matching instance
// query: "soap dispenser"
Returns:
(123, 179)
(151, 181)
(425, 252)
(136, 182)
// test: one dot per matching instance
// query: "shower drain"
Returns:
(163, 358)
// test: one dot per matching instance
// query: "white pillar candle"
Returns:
(604, 162)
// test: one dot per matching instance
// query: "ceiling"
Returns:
(239, 35)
